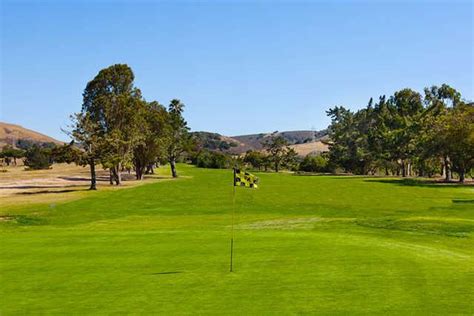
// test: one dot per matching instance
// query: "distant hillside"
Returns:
(304, 142)
(11, 133)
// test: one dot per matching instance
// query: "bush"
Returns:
(38, 158)
(311, 163)
(215, 160)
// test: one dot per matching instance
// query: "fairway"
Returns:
(303, 244)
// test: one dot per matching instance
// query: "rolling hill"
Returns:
(11, 133)
(304, 142)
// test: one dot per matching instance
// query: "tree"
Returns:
(255, 158)
(151, 144)
(11, 154)
(407, 107)
(38, 158)
(215, 160)
(453, 133)
(439, 101)
(290, 158)
(178, 137)
(276, 146)
(110, 102)
(88, 135)
(312, 163)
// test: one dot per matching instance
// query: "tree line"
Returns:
(119, 130)
(406, 134)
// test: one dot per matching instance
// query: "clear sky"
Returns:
(240, 66)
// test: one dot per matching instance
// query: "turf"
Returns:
(303, 245)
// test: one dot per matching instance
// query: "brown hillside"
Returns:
(310, 148)
(10, 133)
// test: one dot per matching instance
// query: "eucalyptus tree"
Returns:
(151, 146)
(407, 106)
(439, 102)
(110, 103)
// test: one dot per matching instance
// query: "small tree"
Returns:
(276, 148)
(313, 163)
(290, 159)
(255, 158)
(89, 137)
(11, 154)
(38, 158)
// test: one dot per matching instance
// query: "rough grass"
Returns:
(326, 245)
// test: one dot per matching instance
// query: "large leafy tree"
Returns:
(150, 147)
(453, 134)
(406, 107)
(110, 103)
(439, 102)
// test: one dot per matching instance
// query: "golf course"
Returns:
(303, 244)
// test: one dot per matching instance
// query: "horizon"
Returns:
(278, 65)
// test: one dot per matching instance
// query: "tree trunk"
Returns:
(404, 169)
(118, 176)
(462, 175)
(139, 169)
(447, 169)
(111, 176)
(115, 176)
(93, 176)
(173, 167)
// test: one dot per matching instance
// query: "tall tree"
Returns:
(178, 137)
(407, 107)
(110, 103)
(88, 135)
(151, 145)
(439, 101)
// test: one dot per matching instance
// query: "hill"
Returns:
(11, 133)
(304, 142)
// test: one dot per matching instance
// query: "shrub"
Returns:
(38, 158)
(314, 164)
(215, 160)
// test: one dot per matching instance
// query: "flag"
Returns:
(245, 179)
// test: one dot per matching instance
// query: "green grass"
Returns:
(304, 244)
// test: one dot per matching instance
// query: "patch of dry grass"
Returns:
(63, 182)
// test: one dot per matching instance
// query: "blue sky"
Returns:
(241, 66)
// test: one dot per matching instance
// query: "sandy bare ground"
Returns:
(18, 180)
(61, 182)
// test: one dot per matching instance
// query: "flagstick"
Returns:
(232, 229)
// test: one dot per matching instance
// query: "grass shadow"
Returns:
(50, 191)
(419, 183)
(463, 201)
(166, 272)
